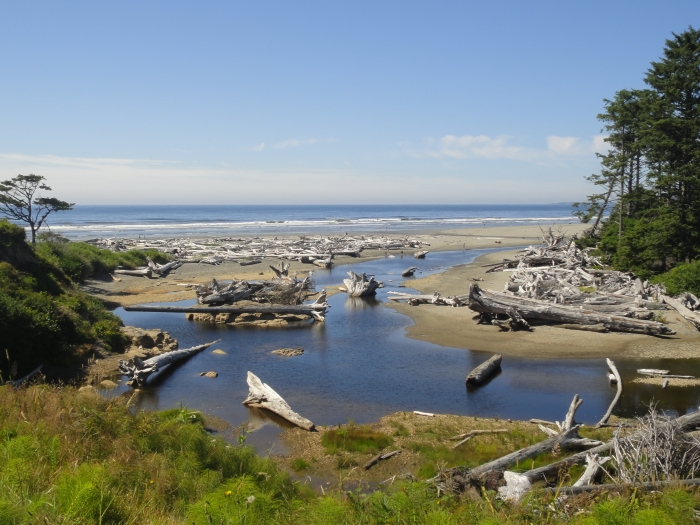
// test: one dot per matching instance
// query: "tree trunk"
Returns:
(484, 371)
(261, 395)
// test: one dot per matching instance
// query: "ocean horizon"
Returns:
(90, 221)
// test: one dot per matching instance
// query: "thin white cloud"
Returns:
(574, 146)
(139, 181)
(293, 143)
(501, 147)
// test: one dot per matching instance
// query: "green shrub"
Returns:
(300, 464)
(683, 278)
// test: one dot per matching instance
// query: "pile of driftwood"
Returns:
(660, 450)
(282, 290)
(153, 269)
(316, 250)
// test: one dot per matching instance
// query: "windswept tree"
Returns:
(19, 201)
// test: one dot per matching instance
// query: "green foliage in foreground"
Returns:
(73, 457)
(79, 260)
(44, 317)
(355, 439)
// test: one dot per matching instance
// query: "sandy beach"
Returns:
(442, 325)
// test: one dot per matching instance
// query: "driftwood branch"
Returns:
(380, 457)
(484, 371)
(261, 395)
(139, 370)
(615, 373)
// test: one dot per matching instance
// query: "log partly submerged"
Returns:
(139, 370)
(420, 254)
(408, 272)
(484, 371)
(486, 301)
(261, 395)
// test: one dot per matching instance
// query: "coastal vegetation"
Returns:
(649, 183)
(44, 316)
(71, 456)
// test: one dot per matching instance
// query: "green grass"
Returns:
(353, 438)
(73, 457)
(299, 464)
(587, 289)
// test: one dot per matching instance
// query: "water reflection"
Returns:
(359, 365)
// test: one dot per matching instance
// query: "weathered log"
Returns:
(282, 272)
(618, 380)
(652, 371)
(485, 370)
(693, 317)
(420, 254)
(499, 303)
(359, 286)
(142, 272)
(261, 395)
(682, 423)
(252, 261)
(17, 382)
(380, 457)
(468, 435)
(594, 464)
(306, 309)
(408, 272)
(323, 263)
(600, 328)
(139, 370)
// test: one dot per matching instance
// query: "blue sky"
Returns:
(318, 102)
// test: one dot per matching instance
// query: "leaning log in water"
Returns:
(261, 395)
(420, 255)
(139, 370)
(485, 370)
(408, 272)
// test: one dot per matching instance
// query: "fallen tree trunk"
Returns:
(307, 309)
(691, 316)
(420, 255)
(143, 272)
(486, 301)
(380, 457)
(484, 371)
(252, 261)
(650, 485)
(261, 395)
(408, 272)
(139, 370)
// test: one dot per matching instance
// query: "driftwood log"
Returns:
(360, 286)
(420, 254)
(484, 371)
(317, 309)
(261, 395)
(139, 370)
(486, 301)
(618, 380)
(143, 272)
(408, 272)
(380, 457)
(693, 317)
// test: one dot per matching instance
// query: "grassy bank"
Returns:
(69, 456)
(44, 317)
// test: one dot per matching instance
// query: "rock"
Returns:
(89, 390)
(208, 374)
(289, 352)
(108, 384)
(148, 339)
(219, 351)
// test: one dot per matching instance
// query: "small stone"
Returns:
(219, 351)
(289, 352)
(108, 384)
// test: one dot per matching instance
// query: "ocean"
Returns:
(91, 221)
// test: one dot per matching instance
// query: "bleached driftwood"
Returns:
(593, 465)
(408, 272)
(360, 286)
(261, 395)
(486, 301)
(143, 272)
(484, 371)
(618, 381)
(420, 254)
(139, 370)
(282, 272)
(688, 314)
